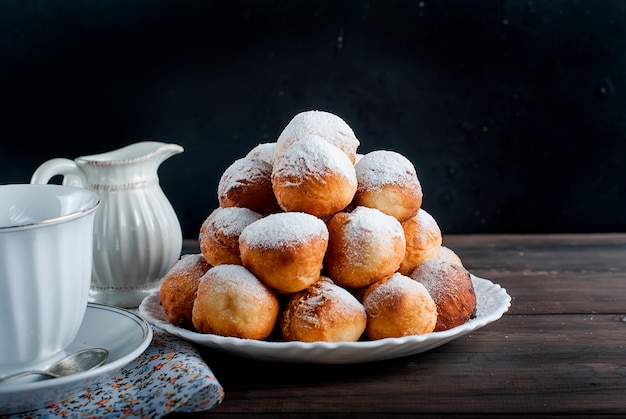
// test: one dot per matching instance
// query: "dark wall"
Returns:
(512, 111)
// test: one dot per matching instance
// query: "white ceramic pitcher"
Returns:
(137, 235)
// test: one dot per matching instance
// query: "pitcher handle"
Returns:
(72, 174)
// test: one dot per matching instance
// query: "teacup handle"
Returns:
(72, 174)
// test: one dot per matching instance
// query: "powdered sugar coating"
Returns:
(428, 231)
(388, 181)
(436, 275)
(236, 279)
(219, 234)
(388, 289)
(229, 221)
(324, 124)
(364, 219)
(263, 151)
(247, 183)
(313, 158)
(283, 230)
(242, 172)
(189, 265)
(450, 255)
(384, 167)
(365, 246)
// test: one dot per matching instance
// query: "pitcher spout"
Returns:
(133, 153)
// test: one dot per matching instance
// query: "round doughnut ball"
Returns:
(263, 151)
(451, 287)
(179, 287)
(219, 234)
(313, 176)
(388, 181)
(323, 312)
(324, 124)
(423, 240)
(398, 306)
(285, 250)
(247, 183)
(231, 301)
(448, 254)
(364, 246)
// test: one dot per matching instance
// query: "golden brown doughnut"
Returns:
(219, 234)
(247, 183)
(364, 246)
(398, 306)
(285, 250)
(179, 287)
(313, 176)
(323, 312)
(324, 124)
(450, 285)
(388, 181)
(231, 301)
(423, 240)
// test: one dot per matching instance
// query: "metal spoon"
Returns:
(80, 361)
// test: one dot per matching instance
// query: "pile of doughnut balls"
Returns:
(313, 241)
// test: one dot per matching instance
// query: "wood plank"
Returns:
(520, 364)
(563, 292)
(559, 253)
(495, 240)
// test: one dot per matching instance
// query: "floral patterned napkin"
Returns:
(170, 376)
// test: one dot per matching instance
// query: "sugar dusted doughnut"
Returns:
(451, 287)
(327, 125)
(263, 151)
(364, 246)
(450, 255)
(247, 183)
(313, 176)
(219, 234)
(388, 181)
(398, 306)
(423, 240)
(323, 312)
(179, 287)
(231, 301)
(285, 250)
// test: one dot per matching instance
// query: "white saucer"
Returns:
(124, 334)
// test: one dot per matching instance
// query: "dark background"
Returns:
(511, 111)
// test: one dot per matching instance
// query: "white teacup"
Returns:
(46, 242)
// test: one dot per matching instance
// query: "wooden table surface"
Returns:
(560, 350)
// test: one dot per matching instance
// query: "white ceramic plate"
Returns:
(492, 302)
(124, 334)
